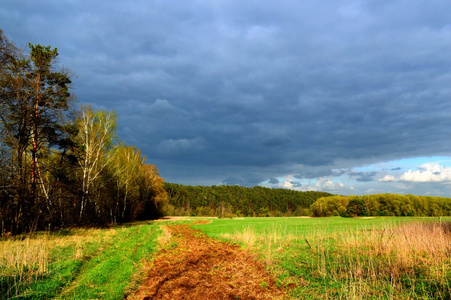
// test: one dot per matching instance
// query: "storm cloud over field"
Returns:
(340, 96)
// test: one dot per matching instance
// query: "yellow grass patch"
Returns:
(25, 258)
(165, 238)
(29, 256)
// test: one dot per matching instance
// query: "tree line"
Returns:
(62, 166)
(381, 205)
(230, 201)
(237, 201)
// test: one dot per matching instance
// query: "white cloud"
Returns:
(327, 184)
(429, 172)
(289, 182)
(388, 178)
(322, 184)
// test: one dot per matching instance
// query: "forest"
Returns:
(381, 205)
(62, 165)
(230, 201)
(237, 201)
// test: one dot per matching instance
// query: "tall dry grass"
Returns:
(29, 255)
(411, 259)
(270, 241)
(22, 261)
(25, 259)
(248, 236)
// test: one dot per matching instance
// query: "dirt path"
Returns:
(200, 267)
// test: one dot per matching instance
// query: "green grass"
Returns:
(313, 258)
(303, 225)
(330, 258)
(77, 264)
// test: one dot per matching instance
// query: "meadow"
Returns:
(76, 263)
(349, 258)
(311, 258)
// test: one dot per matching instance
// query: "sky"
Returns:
(348, 97)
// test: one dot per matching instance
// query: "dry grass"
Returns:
(249, 237)
(24, 259)
(411, 259)
(29, 256)
(165, 238)
(404, 247)
(271, 242)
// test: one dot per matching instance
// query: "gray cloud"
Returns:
(295, 184)
(363, 176)
(273, 181)
(239, 93)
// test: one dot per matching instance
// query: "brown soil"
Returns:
(200, 267)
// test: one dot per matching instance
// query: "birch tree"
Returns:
(126, 166)
(97, 132)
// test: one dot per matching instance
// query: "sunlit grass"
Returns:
(28, 259)
(77, 263)
(349, 258)
(21, 262)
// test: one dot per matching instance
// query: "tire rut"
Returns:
(200, 267)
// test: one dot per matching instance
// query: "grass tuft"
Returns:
(22, 262)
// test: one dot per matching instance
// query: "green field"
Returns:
(312, 258)
(76, 264)
(377, 258)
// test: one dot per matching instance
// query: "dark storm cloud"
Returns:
(363, 176)
(295, 184)
(273, 181)
(240, 93)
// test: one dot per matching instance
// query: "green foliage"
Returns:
(356, 208)
(381, 205)
(238, 201)
(329, 206)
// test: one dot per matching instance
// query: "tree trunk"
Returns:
(35, 144)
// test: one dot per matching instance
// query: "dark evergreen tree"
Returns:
(237, 200)
(34, 98)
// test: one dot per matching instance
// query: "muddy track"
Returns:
(200, 267)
